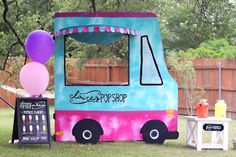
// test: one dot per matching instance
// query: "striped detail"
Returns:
(89, 29)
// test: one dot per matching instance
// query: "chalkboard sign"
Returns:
(213, 127)
(32, 121)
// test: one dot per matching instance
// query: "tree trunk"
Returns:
(93, 6)
(19, 41)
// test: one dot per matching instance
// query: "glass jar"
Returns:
(220, 109)
(202, 108)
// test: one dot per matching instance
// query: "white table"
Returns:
(219, 139)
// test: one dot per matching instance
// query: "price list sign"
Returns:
(32, 118)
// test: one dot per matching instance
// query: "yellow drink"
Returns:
(220, 109)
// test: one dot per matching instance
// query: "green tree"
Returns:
(218, 48)
(188, 23)
(184, 23)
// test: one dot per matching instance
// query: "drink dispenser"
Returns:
(220, 109)
(202, 109)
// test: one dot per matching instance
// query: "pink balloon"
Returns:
(34, 78)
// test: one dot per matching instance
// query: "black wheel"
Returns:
(87, 132)
(154, 132)
(87, 135)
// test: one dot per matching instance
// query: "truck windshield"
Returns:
(150, 74)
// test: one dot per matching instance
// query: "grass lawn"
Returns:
(171, 148)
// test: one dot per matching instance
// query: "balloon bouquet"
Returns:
(34, 76)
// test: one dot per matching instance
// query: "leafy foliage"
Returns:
(117, 51)
(184, 23)
(188, 23)
(187, 80)
(219, 48)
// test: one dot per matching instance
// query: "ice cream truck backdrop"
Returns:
(144, 107)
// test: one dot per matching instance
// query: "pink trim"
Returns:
(67, 31)
(130, 31)
(125, 30)
(85, 29)
(56, 33)
(105, 14)
(108, 29)
(116, 125)
(75, 30)
(96, 29)
(60, 32)
(117, 29)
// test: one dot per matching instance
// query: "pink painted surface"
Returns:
(85, 29)
(130, 31)
(105, 14)
(108, 29)
(96, 29)
(117, 125)
(117, 29)
(75, 29)
(60, 32)
(125, 30)
(67, 31)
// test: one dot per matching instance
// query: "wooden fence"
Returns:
(206, 78)
(97, 72)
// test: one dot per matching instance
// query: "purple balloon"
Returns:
(34, 78)
(39, 46)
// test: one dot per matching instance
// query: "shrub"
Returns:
(186, 75)
(219, 48)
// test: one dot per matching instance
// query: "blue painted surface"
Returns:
(101, 38)
(134, 97)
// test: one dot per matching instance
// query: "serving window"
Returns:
(96, 59)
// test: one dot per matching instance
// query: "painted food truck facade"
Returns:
(143, 108)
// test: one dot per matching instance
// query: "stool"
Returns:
(217, 126)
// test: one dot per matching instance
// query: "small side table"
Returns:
(195, 130)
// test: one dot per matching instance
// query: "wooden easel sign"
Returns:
(32, 121)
